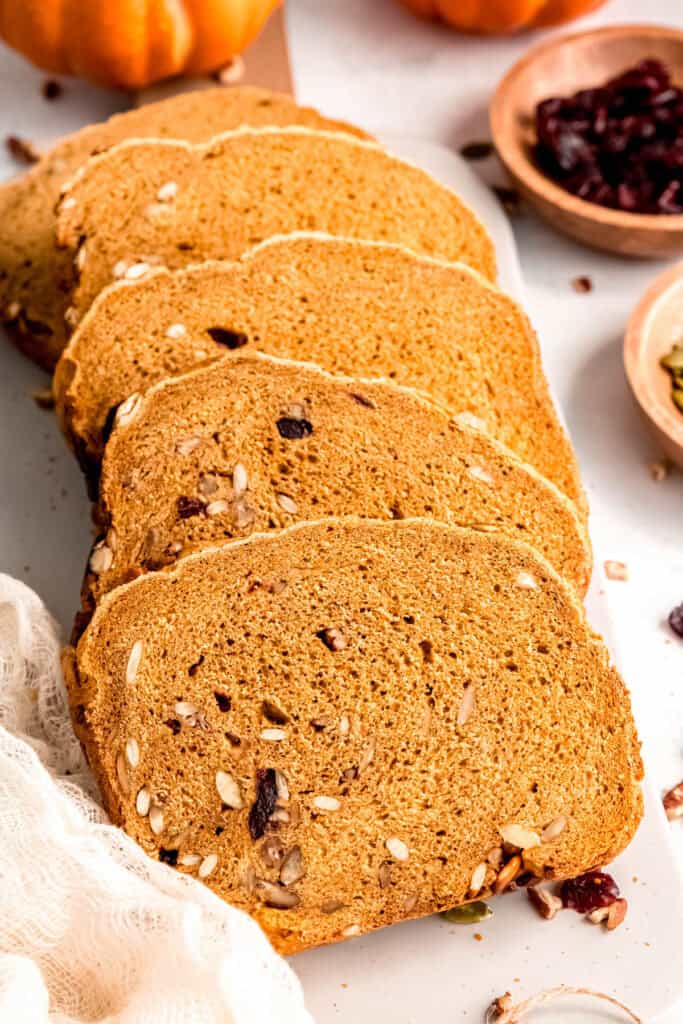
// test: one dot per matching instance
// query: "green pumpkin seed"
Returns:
(471, 913)
(673, 361)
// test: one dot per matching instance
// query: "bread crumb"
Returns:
(616, 570)
(582, 284)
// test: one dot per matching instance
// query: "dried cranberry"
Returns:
(589, 892)
(223, 700)
(168, 856)
(293, 429)
(676, 619)
(188, 507)
(264, 805)
(224, 336)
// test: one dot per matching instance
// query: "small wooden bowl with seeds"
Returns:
(653, 358)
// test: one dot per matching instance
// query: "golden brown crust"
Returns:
(354, 308)
(420, 688)
(31, 267)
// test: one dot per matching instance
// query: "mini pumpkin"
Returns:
(499, 16)
(131, 43)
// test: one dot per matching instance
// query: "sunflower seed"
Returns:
(167, 192)
(409, 903)
(240, 479)
(274, 895)
(134, 659)
(466, 706)
(156, 819)
(68, 203)
(281, 786)
(344, 725)
(526, 581)
(176, 331)
(119, 269)
(478, 877)
(217, 508)
(127, 410)
(143, 802)
(397, 848)
(228, 790)
(136, 271)
(189, 860)
(478, 473)
(132, 752)
(80, 257)
(207, 865)
(326, 803)
(553, 830)
(122, 774)
(188, 444)
(292, 867)
(101, 558)
(287, 503)
(273, 735)
(520, 837)
(280, 816)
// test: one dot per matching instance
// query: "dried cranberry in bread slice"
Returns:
(357, 308)
(340, 725)
(171, 203)
(31, 303)
(252, 443)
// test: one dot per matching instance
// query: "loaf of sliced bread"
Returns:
(252, 443)
(32, 268)
(173, 203)
(356, 308)
(348, 723)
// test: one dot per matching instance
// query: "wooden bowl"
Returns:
(655, 326)
(560, 67)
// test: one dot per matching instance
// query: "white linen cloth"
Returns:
(91, 929)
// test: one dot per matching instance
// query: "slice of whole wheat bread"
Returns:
(171, 203)
(349, 723)
(32, 267)
(356, 308)
(251, 443)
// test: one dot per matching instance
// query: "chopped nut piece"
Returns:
(384, 874)
(507, 874)
(331, 906)
(217, 508)
(659, 470)
(292, 869)
(520, 837)
(598, 916)
(101, 558)
(272, 852)
(22, 150)
(351, 930)
(616, 914)
(188, 445)
(273, 713)
(673, 802)
(616, 570)
(526, 581)
(333, 638)
(281, 786)
(167, 192)
(544, 901)
(495, 857)
(43, 398)
(477, 473)
(274, 895)
(176, 331)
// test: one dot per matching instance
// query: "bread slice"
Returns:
(172, 203)
(252, 443)
(31, 267)
(356, 308)
(337, 726)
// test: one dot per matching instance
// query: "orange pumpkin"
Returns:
(131, 43)
(494, 16)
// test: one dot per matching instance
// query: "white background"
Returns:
(372, 63)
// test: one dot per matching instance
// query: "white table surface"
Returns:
(371, 62)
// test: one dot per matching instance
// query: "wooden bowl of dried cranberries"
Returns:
(590, 128)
